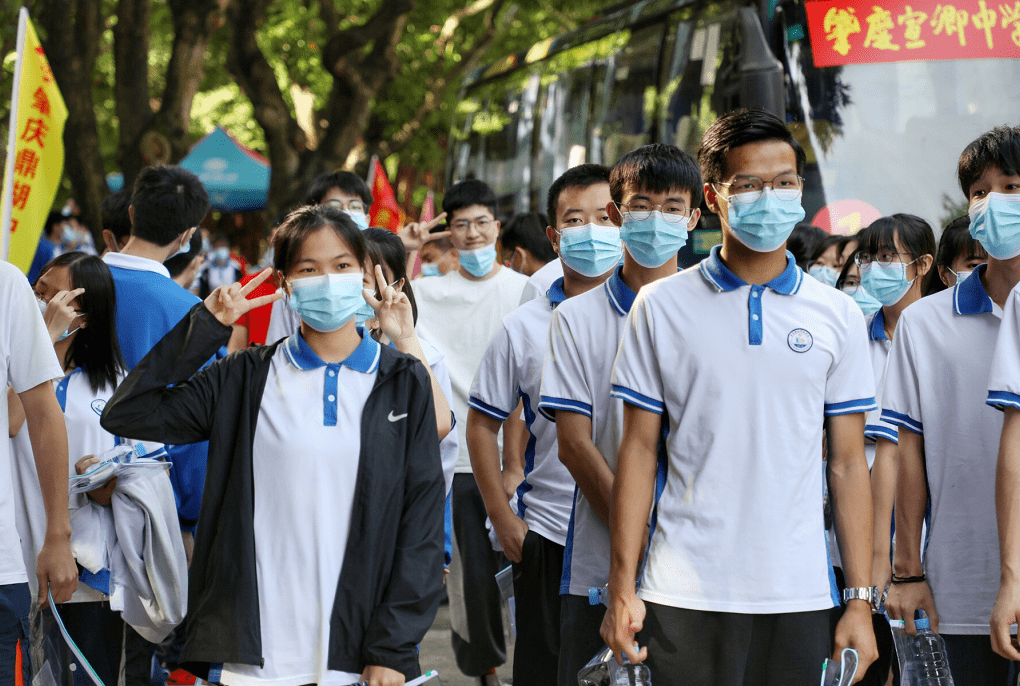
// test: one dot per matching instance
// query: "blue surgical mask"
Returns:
(478, 262)
(68, 236)
(67, 332)
(592, 249)
(887, 282)
(360, 218)
(363, 313)
(221, 255)
(430, 269)
(863, 299)
(995, 223)
(327, 302)
(960, 276)
(824, 273)
(763, 225)
(653, 241)
(206, 246)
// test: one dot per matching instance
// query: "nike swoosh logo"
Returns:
(395, 417)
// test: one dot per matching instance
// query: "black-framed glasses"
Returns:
(673, 212)
(883, 257)
(352, 205)
(747, 189)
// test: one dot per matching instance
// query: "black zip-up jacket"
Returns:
(389, 588)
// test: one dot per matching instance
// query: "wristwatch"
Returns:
(869, 594)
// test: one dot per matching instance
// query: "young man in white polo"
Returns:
(459, 313)
(739, 365)
(533, 531)
(655, 191)
(935, 391)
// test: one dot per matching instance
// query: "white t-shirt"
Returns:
(738, 526)
(1004, 378)
(449, 447)
(284, 322)
(305, 465)
(511, 370)
(880, 345)
(584, 335)
(539, 282)
(936, 385)
(459, 317)
(26, 360)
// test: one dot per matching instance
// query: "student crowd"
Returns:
(757, 456)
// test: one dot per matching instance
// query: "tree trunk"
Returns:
(131, 83)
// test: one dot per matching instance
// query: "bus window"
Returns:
(562, 123)
(625, 96)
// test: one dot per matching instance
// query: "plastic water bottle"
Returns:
(922, 658)
(598, 595)
(629, 674)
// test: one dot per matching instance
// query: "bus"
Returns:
(883, 95)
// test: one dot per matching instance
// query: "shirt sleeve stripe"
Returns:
(577, 406)
(637, 399)
(875, 431)
(850, 407)
(903, 420)
(1000, 400)
(487, 409)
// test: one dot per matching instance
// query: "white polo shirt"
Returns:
(936, 386)
(1004, 378)
(305, 464)
(584, 334)
(879, 345)
(26, 360)
(540, 282)
(511, 371)
(745, 375)
(459, 317)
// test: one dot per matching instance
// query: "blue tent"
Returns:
(236, 178)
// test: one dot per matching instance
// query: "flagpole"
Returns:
(371, 170)
(12, 141)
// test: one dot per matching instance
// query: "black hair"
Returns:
(527, 230)
(167, 201)
(915, 235)
(844, 272)
(95, 348)
(467, 193)
(385, 248)
(348, 182)
(803, 240)
(737, 128)
(656, 168)
(305, 221)
(581, 176)
(116, 217)
(52, 219)
(444, 243)
(1000, 148)
(178, 263)
(217, 237)
(954, 242)
(825, 244)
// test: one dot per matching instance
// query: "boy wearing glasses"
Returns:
(344, 190)
(729, 372)
(459, 313)
(654, 190)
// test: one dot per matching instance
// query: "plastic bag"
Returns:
(56, 660)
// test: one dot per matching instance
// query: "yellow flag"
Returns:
(35, 154)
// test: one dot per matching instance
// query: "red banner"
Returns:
(856, 32)
(385, 211)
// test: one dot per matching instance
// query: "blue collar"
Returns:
(619, 294)
(969, 296)
(555, 293)
(720, 276)
(876, 331)
(364, 359)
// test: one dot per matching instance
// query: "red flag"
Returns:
(385, 212)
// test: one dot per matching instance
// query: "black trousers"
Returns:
(580, 639)
(97, 631)
(475, 604)
(728, 649)
(537, 593)
(973, 662)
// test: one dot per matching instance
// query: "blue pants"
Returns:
(15, 602)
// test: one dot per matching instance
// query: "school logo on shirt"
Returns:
(98, 406)
(800, 340)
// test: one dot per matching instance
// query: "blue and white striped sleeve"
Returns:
(901, 401)
(876, 428)
(564, 385)
(1004, 377)
(637, 379)
(850, 384)
(494, 390)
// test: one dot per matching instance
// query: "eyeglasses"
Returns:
(748, 189)
(883, 257)
(481, 223)
(672, 212)
(352, 205)
(850, 288)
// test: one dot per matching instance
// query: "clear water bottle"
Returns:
(629, 674)
(922, 657)
(598, 595)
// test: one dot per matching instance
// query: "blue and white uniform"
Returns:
(879, 345)
(511, 371)
(540, 282)
(584, 335)
(738, 526)
(1004, 378)
(936, 386)
(305, 458)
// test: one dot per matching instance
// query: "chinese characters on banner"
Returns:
(36, 158)
(856, 32)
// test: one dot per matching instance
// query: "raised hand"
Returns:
(59, 313)
(229, 303)
(416, 234)
(393, 313)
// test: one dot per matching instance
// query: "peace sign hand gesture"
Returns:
(416, 234)
(229, 303)
(393, 313)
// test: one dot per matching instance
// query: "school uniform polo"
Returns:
(936, 386)
(744, 375)
(305, 460)
(584, 334)
(879, 345)
(541, 281)
(511, 371)
(1004, 378)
